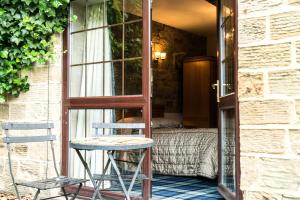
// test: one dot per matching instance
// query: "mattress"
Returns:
(185, 152)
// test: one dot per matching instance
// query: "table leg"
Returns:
(102, 177)
(110, 156)
(89, 173)
(136, 171)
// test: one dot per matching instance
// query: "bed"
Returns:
(185, 152)
(181, 151)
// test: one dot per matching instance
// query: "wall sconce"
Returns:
(163, 55)
(157, 55)
(160, 55)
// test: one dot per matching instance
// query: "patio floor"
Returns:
(184, 188)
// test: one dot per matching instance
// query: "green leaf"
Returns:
(2, 11)
(4, 54)
(2, 99)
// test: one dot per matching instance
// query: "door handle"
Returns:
(217, 86)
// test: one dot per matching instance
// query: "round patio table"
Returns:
(111, 144)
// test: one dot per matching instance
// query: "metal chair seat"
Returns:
(52, 183)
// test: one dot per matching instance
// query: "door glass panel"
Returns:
(226, 48)
(114, 11)
(116, 40)
(103, 79)
(228, 149)
(80, 126)
(78, 10)
(133, 40)
(133, 10)
(108, 45)
(133, 74)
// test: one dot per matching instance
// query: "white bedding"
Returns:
(185, 152)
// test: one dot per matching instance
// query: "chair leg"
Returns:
(65, 194)
(36, 194)
(77, 191)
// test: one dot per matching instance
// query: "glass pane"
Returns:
(227, 45)
(80, 126)
(116, 41)
(118, 78)
(96, 80)
(78, 8)
(228, 149)
(88, 47)
(227, 10)
(133, 77)
(133, 10)
(133, 40)
(77, 81)
(114, 11)
(77, 54)
(95, 14)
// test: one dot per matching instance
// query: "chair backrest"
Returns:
(28, 139)
(138, 126)
(26, 127)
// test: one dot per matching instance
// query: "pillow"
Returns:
(172, 122)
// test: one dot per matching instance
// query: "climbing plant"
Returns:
(26, 29)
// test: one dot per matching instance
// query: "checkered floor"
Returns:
(184, 188)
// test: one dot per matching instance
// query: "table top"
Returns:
(111, 142)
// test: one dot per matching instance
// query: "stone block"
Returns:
(279, 174)
(285, 82)
(262, 141)
(252, 30)
(294, 2)
(298, 109)
(17, 112)
(4, 112)
(249, 175)
(250, 6)
(29, 170)
(265, 112)
(298, 52)
(250, 84)
(21, 149)
(265, 56)
(259, 195)
(285, 25)
(39, 74)
(295, 140)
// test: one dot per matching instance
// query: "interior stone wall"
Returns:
(269, 98)
(167, 74)
(29, 160)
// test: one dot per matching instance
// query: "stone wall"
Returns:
(167, 74)
(29, 160)
(269, 95)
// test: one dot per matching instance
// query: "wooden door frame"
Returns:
(227, 103)
(134, 101)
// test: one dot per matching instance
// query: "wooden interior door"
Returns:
(229, 167)
(106, 74)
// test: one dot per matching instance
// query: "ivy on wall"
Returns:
(26, 28)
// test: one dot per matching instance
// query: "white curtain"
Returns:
(96, 80)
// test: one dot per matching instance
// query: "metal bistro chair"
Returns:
(47, 183)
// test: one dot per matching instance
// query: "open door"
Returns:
(228, 108)
(106, 77)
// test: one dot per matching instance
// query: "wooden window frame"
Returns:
(142, 101)
(227, 102)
